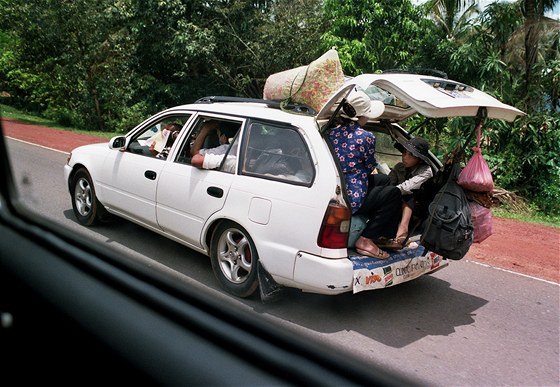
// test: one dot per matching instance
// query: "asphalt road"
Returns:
(466, 325)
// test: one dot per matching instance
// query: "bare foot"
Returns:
(402, 233)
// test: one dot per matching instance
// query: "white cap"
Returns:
(363, 106)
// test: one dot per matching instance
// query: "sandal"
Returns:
(380, 255)
(402, 240)
(389, 244)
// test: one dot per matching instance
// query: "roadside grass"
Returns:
(13, 113)
(528, 216)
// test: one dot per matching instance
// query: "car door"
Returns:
(129, 185)
(129, 176)
(186, 195)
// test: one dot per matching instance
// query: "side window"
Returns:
(157, 138)
(277, 152)
(214, 138)
(230, 160)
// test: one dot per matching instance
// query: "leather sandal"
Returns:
(402, 240)
(389, 244)
(380, 255)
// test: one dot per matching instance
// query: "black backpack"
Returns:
(449, 230)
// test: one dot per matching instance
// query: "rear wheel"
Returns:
(234, 259)
(86, 207)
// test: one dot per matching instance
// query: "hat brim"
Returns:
(376, 109)
(415, 152)
(349, 118)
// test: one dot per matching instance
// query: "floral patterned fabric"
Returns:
(311, 85)
(355, 148)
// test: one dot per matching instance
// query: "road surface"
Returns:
(466, 325)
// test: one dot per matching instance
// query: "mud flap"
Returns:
(270, 291)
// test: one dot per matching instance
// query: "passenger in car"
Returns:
(409, 176)
(161, 142)
(371, 195)
(211, 158)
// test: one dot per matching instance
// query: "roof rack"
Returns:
(290, 107)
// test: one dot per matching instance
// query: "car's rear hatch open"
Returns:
(407, 94)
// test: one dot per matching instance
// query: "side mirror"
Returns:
(118, 142)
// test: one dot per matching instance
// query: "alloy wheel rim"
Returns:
(83, 197)
(234, 256)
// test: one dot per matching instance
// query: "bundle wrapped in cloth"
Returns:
(310, 85)
(476, 179)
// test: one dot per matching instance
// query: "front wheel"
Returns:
(234, 259)
(86, 207)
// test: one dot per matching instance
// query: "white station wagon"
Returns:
(277, 217)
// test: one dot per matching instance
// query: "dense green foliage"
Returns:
(374, 35)
(106, 65)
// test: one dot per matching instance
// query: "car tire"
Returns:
(87, 209)
(234, 259)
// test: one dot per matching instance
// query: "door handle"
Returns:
(150, 175)
(215, 191)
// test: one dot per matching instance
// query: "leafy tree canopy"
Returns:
(373, 35)
(108, 64)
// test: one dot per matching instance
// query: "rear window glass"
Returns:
(385, 151)
(378, 94)
(278, 153)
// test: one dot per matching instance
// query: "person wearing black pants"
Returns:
(355, 149)
(382, 206)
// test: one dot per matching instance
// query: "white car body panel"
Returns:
(323, 276)
(293, 214)
(136, 198)
(88, 155)
(183, 202)
(284, 218)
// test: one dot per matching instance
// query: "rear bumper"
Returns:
(358, 273)
(402, 266)
(323, 275)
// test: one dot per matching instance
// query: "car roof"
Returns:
(253, 108)
(406, 94)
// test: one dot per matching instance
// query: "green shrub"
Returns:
(64, 116)
(129, 117)
(525, 157)
(522, 155)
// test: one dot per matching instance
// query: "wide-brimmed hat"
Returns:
(358, 104)
(418, 147)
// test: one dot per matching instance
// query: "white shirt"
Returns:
(213, 157)
(420, 174)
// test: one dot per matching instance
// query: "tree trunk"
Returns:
(90, 85)
(98, 113)
(532, 33)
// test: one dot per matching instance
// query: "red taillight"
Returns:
(335, 227)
